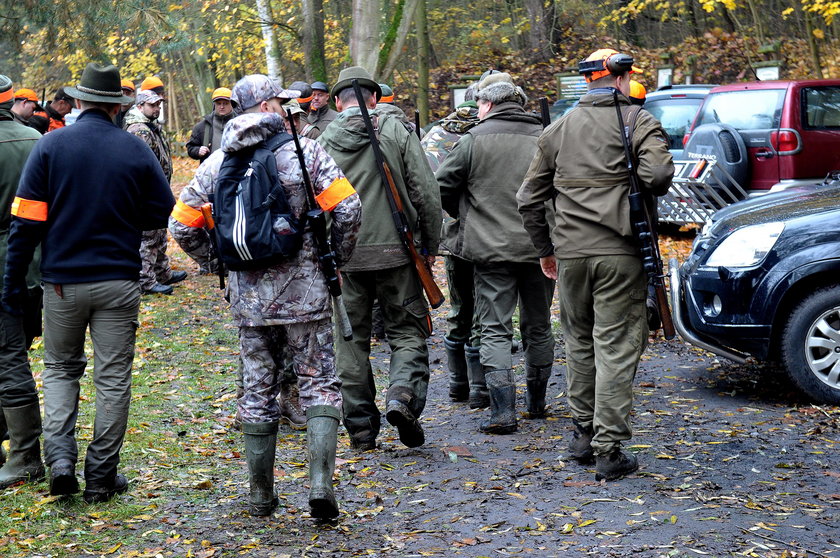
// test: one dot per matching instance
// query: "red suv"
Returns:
(770, 134)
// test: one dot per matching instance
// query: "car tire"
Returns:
(810, 347)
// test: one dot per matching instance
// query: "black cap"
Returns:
(320, 86)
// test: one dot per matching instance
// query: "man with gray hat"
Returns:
(285, 309)
(20, 414)
(478, 184)
(86, 194)
(320, 113)
(381, 269)
(156, 276)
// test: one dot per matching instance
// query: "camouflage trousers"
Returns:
(154, 260)
(195, 242)
(262, 351)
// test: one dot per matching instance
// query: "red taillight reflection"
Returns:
(685, 139)
(784, 140)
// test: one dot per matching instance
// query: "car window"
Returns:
(675, 115)
(822, 107)
(758, 109)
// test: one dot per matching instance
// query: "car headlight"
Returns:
(747, 246)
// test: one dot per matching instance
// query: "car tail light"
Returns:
(785, 142)
(685, 139)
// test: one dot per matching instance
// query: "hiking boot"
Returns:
(580, 448)
(399, 415)
(615, 465)
(479, 397)
(290, 411)
(159, 289)
(63, 481)
(175, 277)
(23, 464)
(260, 445)
(536, 381)
(321, 438)
(502, 403)
(459, 385)
(362, 443)
(97, 493)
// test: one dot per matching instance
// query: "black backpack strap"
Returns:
(274, 143)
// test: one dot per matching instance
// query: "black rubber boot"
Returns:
(63, 481)
(321, 437)
(580, 448)
(502, 403)
(260, 445)
(23, 464)
(459, 385)
(479, 396)
(615, 465)
(536, 381)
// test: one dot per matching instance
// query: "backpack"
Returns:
(255, 227)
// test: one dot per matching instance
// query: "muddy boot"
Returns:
(260, 444)
(409, 428)
(502, 403)
(479, 397)
(536, 381)
(321, 436)
(23, 463)
(290, 411)
(614, 465)
(580, 448)
(459, 386)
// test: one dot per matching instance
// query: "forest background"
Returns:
(420, 47)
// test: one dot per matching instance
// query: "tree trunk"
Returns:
(272, 58)
(538, 42)
(313, 40)
(422, 63)
(813, 46)
(395, 39)
(364, 36)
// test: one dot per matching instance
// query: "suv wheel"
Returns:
(811, 345)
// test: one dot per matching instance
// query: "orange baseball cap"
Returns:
(151, 82)
(637, 90)
(28, 94)
(128, 84)
(221, 93)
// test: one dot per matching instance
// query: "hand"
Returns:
(549, 267)
(430, 260)
(203, 150)
(340, 278)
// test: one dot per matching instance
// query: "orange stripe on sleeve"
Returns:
(338, 191)
(187, 215)
(29, 209)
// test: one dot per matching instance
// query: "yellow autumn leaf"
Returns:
(113, 548)
(818, 33)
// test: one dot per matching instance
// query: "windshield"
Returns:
(759, 109)
(675, 115)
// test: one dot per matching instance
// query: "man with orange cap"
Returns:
(637, 93)
(581, 164)
(52, 117)
(128, 90)
(26, 103)
(207, 134)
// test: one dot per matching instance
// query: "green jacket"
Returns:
(581, 161)
(379, 245)
(478, 183)
(16, 141)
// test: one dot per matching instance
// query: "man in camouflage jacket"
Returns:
(284, 309)
(156, 276)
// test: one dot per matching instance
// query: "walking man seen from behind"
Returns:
(592, 252)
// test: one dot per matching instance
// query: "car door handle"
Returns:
(764, 155)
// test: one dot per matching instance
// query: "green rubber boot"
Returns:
(321, 437)
(502, 390)
(536, 381)
(260, 445)
(479, 397)
(459, 385)
(23, 464)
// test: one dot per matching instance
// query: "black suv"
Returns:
(762, 281)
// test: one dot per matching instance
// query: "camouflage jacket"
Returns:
(293, 291)
(442, 137)
(150, 132)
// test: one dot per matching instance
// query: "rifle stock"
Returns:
(424, 272)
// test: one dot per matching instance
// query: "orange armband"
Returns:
(29, 209)
(338, 191)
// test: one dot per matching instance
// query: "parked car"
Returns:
(761, 281)
(675, 106)
(770, 134)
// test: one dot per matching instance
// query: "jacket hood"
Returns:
(461, 120)
(134, 116)
(250, 129)
(348, 132)
(512, 111)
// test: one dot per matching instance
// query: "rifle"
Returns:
(424, 273)
(544, 114)
(417, 124)
(644, 229)
(326, 256)
(210, 224)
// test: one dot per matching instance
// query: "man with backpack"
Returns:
(280, 302)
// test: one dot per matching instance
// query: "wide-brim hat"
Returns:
(346, 77)
(100, 84)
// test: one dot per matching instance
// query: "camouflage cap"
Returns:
(256, 88)
(293, 107)
(147, 96)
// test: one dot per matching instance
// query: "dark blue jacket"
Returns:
(102, 187)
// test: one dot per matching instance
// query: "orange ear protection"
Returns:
(604, 62)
